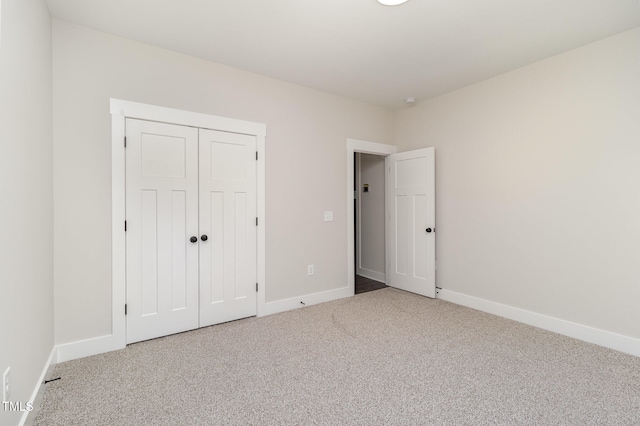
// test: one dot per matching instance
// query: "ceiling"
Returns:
(358, 48)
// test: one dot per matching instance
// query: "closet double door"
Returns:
(190, 228)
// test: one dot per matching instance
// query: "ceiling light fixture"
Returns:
(392, 2)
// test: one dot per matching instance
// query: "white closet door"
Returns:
(228, 257)
(410, 206)
(162, 215)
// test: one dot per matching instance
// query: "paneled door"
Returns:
(191, 232)
(410, 207)
(162, 215)
(228, 211)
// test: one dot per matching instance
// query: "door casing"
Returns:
(120, 110)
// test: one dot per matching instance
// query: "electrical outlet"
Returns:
(6, 385)
(328, 216)
(310, 270)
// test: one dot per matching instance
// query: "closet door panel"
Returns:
(162, 214)
(228, 212)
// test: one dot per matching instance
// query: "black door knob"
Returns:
(193, 239)
(428, 229)
(204, 238)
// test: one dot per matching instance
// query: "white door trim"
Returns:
(353, 146)
(121, 109)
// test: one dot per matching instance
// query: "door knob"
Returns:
(193, 239)
(204, 237)
(428, 229)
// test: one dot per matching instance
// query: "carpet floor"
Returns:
(382, 357)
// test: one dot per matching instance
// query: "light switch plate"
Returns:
(328, 216)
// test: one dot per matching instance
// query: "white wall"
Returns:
(538, 185)
(26, 224)
(305, 166)
(370, 241)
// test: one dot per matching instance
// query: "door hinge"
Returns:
(125, 226)
(256, 155)
(125, 141)
(256, 221)
(125, 309)
(256, 287)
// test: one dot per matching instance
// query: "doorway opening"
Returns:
(380, 151)
(369, 222)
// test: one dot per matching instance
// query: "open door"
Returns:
(410, 211)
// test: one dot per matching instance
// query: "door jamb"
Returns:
(120, 110)
(353, 146)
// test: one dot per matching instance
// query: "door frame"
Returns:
(365, 147)
(121, 110)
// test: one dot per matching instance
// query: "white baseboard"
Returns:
(50, 361)
(372, 275)
(88, 347)
(626, 344)
(107, 343)
(306, 300)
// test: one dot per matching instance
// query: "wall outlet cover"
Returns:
(6, 385)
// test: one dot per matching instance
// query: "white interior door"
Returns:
(410, 208)
(191, 209)
(228, 211)
(162, 215)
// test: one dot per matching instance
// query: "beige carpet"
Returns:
(384, 357)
